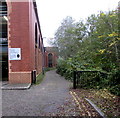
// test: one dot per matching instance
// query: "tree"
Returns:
(68, 36)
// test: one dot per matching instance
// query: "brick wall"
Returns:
(21, 25)
(53, 51)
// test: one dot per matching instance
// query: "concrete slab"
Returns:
(96, 108)
(7, 86)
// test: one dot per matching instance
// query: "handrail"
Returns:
(75, 81)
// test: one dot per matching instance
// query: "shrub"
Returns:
(95, 80)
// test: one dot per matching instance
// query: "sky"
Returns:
(52, 12)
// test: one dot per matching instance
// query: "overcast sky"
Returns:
(52, 12)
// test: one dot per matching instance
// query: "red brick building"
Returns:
(21, 41)
(51, 55)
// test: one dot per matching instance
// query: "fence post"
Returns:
(74, 80)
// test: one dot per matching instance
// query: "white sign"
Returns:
(14, 53)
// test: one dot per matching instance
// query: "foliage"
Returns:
(64, 69)
(93, 44)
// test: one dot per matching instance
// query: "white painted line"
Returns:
(82, 103)
(15, 88)
(96, 108)
(77, 102)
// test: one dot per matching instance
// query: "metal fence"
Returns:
(83, 77)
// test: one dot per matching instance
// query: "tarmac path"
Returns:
(45, 99)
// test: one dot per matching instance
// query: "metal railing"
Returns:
(77, 76)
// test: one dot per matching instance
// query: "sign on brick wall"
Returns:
(14, 53)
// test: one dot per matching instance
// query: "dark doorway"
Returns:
(3, 41)
(50, 60)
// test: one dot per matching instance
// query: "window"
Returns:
(35, 33)
(3, 20)
(3, 9)
(3, 40)
(39, 42)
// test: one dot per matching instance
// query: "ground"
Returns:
(53, 97)
(41, 100)
(107, 102)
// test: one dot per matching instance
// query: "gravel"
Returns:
(40, 100)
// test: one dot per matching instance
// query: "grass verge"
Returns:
(39, 78)
(48, 69)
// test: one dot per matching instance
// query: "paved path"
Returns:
(44, 99)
